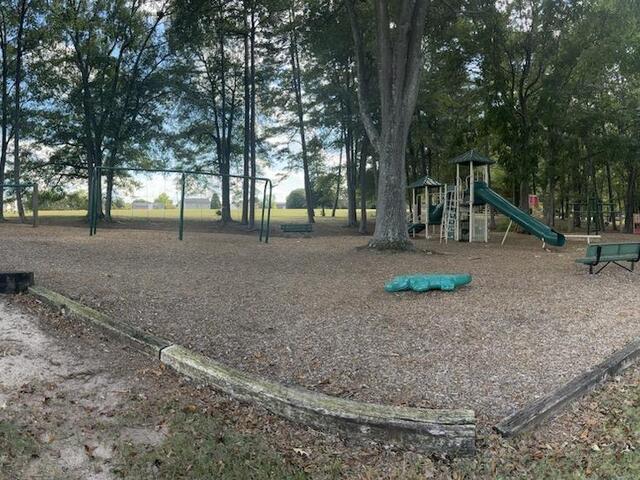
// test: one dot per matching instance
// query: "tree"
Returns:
(101, 101)
(215, 201)
(205, 37)
(296, 199)
(165, 200)
(399, 66)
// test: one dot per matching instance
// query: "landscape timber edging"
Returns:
(451, 431)
(425, 430)
(550, 405)
(15, 282)
(146, 342)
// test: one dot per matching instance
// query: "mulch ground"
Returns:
(312, 311)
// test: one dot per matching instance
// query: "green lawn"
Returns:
(277, 214)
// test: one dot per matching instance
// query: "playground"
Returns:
(311, 310)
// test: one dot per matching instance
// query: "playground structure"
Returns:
(427, 204)
(463, 210)
(35, 199)
(96, 201)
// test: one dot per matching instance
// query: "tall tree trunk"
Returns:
(246, 156)
(630, 197)
(338, 181)
(17, 107)
(364, 152)
(351, 178)
(612, 206)
(224, 138)
(399, 68)
(297, 87)
(252, 75)
(5, 107)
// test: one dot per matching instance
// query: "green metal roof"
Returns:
(472, 156)
(424, 182)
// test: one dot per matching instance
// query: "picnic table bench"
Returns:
(606, 253)
(296, 227)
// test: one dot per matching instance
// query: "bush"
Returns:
(296, 199)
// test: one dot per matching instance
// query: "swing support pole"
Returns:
(181, 226)
(94, 199)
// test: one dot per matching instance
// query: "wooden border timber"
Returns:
(534, 413)
(425, 430)
(15, 282)
(145, 342)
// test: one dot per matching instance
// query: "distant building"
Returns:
(197, 204)
(140, 204)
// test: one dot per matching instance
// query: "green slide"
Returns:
(526, 221)
(435, 214)
(415, 228)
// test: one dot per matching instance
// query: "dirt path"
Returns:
(67, 397)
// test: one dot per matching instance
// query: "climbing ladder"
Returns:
(448, 223)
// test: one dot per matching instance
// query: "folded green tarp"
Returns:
(424, 282)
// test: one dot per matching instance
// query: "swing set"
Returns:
(95, 199)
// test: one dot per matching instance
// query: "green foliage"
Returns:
(215, 201)
(165, 200)
(296, 199)
(57, 199)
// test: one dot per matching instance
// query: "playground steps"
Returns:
(448, 225)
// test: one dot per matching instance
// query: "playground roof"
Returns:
(424, 182)
(472, 156)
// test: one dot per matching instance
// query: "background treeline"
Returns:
(548, 88)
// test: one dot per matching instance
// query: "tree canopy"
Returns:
(359, 97)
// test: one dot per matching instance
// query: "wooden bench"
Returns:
(606, 253)
(296, 227)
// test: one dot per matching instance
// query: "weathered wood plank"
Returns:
(143, 341)
(15, 282)
(450, 431)
(443, 431)
(545, 407)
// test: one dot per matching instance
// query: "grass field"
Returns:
(277, 214)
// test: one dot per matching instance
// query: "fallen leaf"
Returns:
(302, 453)
(89, 450)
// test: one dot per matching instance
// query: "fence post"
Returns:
(34, 204)
(181, 223)
(269, 213)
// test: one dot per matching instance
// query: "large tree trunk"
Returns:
(391, 221)
(17, 108)
(108, 201)
(338, 182)
(5, 107)
(252, 75)
(246, 156)
(399, 68)
(364, 152)
(351, 179)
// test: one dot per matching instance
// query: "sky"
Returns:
(151, 186)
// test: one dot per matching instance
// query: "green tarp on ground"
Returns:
(424, 282)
